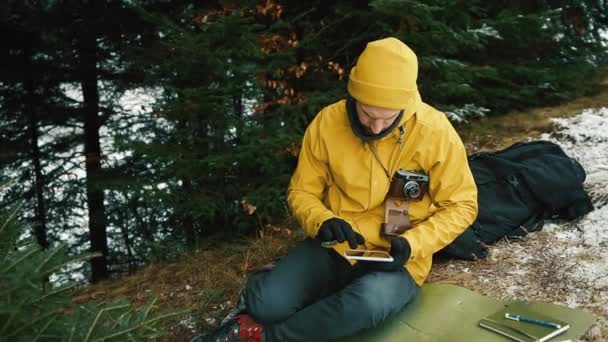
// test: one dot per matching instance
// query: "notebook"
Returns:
(520, 330)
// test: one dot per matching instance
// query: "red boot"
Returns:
(240, 329)
(249, 330)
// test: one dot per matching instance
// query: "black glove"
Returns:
(400, 251)
(336, 229)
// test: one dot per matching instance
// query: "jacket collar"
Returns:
(359, 129)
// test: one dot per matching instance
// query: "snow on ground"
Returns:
(585, 138)
(567, 262)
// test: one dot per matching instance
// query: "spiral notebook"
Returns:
(520, 330)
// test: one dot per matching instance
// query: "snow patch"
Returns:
(585, 138)
(567, 262)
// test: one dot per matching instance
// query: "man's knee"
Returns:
(385, 294)
(264, 304)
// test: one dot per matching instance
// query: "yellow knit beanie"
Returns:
(385, 75)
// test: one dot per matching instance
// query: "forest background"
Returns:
(140, 131)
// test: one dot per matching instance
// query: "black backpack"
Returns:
(518, 189)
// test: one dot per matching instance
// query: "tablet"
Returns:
(368, 255)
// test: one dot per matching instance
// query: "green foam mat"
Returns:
(449, 313)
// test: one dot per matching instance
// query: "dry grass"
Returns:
(207, 282)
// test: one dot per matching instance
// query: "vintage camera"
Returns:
(408, 185)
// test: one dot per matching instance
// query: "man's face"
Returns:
(376, 119)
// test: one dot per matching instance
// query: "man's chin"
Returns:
(372, 134)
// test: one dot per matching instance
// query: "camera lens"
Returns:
(411, 189)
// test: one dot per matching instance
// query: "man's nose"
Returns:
(376, 127)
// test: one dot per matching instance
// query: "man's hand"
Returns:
(336, 229)
(400, 251)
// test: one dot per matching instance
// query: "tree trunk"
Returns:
(40, 217)
(124, 229)
(187, 219)
(92, 150)
(144, 227)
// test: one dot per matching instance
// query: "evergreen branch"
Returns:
(147, 311)
(116, 321)
(35, 321)
(8, 183)
(302, 15)
(51, 337)
(53, 252)
(76, 259)
(329, 25)
(122, 317)
(52, 293)
(66, 160)
(101, 312)
(25, 256)
(10, 218)
(31, 284)
(8, 322)
(143, 323)
(12, 286)
(145, 314)
(46, 326)
(75, 323)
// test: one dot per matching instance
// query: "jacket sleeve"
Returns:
(452, 190)
(310, 181)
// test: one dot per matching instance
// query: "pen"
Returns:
(516, 317)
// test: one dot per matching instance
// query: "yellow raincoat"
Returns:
(338, 176)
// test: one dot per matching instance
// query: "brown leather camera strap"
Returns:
(396, 211)
(375, 153)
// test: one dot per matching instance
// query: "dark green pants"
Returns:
(313, 294)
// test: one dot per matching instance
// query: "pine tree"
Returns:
(33, 309)
(75, 46)
(206, 66)
(33, 106)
